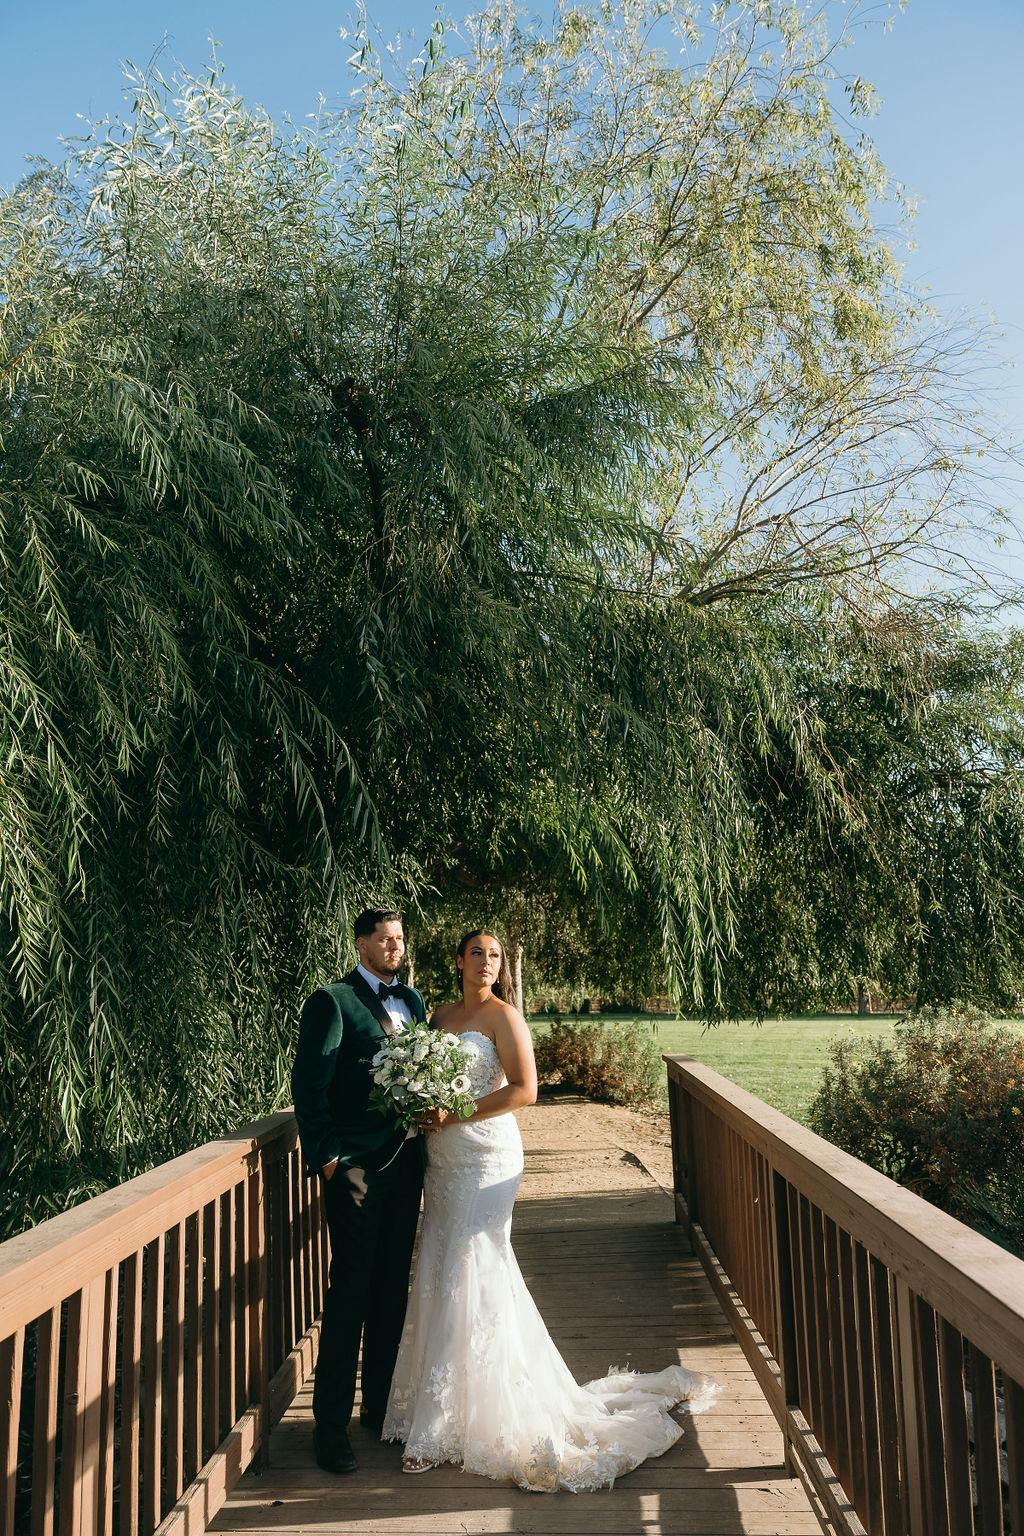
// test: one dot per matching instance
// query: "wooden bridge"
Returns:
(156, 1345)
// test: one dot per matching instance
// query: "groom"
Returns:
(371, 1175)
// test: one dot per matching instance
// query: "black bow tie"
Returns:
(384, 992)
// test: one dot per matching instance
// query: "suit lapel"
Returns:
(409, 999)
(369, 999)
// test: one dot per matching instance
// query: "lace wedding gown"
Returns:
(478, 1378)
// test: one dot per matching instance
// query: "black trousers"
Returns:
(371, 1217)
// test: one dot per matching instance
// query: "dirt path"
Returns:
(632, 1148)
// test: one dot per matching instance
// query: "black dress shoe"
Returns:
(333, 1452)
(371, 1420)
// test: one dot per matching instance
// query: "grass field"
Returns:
(780, 1060)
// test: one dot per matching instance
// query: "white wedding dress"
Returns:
(478, 1379)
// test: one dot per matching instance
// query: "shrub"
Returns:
(612, 1063)
(938, 1105)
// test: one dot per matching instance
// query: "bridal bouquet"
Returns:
(421, 1069)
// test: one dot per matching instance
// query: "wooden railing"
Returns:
(150, 1338)
(888, 1338)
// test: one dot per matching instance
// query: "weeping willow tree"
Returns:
(491, 487)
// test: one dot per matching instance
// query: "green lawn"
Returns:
(779, 1060)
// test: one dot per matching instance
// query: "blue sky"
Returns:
(951, 125)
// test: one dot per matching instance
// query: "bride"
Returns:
(478, 1379)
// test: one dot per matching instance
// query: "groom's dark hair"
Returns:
(367, 921)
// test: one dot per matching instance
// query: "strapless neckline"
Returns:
(465, 1034)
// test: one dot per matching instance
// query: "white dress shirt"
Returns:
(396, 1008)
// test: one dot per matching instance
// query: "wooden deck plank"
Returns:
(617, 1286)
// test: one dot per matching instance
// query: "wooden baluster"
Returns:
(907, 1356)
(282, 1254)
(887, 1389)
(766, 1259)
(738, 1236)
(956, 1453)
(258, 1302)
(44, 1449)
(708, 1156)
(853, 1393)
(733, 1238)
(153, 1398)
(241, 1283)
(298, 1295)
(840, 1451)
(193, 1426)
(131, 1376)
(930, 1420)
(226, 1372)
(784, 1320)
(987, 1458)
(800, 1343)
(269, 1316)
(80, 1437)
(211, 1328)
(293, 1248)
(812, 1321)
(873, 1513)
(682, 1165)
(747, 1258)
(12, 1353)
(107, 1432)
(691, 1181)
(825, 1429)
(1013, 1407)
(174, 1480)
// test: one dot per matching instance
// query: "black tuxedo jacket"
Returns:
(340, 1030)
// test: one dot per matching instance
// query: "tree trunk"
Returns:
(863, 1000)
(517, 976)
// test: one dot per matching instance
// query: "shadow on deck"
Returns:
(617, 1284)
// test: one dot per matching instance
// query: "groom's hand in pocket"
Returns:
(329, 1169)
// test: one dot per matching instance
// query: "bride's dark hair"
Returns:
(503, 986)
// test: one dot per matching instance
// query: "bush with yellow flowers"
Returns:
(937, 1103)
(612, 1063)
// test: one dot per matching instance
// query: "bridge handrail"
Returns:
(42, 1266)
(888, 1337)
(150, 1337)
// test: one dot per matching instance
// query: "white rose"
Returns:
(422, 1050)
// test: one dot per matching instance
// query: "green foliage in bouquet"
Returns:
(418, 1070)
(937, 1105)
(612, 1063)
